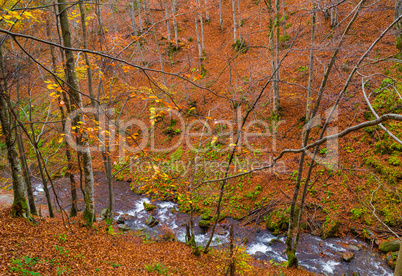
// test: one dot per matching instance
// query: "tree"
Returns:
(20, 205)
(75, 95)
(398, 26)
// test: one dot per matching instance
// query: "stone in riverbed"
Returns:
(121, 219)
(149, 207)
(389, 246)
(151, 221)
(348, 256)
(353, 248)
(123, 227)
(275, 241)
(259, 255)
(104, 213)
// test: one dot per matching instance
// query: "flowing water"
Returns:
(314, 254)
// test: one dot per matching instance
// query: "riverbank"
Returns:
(54, 248)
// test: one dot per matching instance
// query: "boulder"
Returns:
(151, 221)
(353, 248)
(278, 221)
(104, 213)
(389, 246)
(221, 231)
(123, 227)
(348, 256)
(259, 255)
(368, 234)
(330, 228)
(275, 241)
(149, 207)
(121, 220)
(204, 225)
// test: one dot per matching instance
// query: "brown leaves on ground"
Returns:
(54, 248)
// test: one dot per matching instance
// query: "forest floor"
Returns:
(57, 247)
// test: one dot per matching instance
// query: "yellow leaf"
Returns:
(61, 140)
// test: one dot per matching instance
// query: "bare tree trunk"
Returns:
(139, 8)
(167, 21)
(239, 23)
(284, 17)
(207, 18)
(20, 206)
(234, 21)
(220, 15)
(70, 162)
(89, 212)
(201, 26)
(310, 74)
(104, 143)
(277, 77)
(198, 38)
(132, 17)
(334, 13)
(23, 160)
(291, 246)
(274, 58)
(175, 28)
(398, 26)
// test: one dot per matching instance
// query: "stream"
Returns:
(314, 254)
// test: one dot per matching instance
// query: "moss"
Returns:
(149, 207)
(20, 208)
(88, 217)
(330, 228)
(278, 220)
(204, 224)
(292, 259)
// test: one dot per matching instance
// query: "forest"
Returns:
(200, 137)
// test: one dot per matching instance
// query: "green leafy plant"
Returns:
(158, 268)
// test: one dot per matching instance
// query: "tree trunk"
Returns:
(220, 15)
(20, 206)
(277, 77)
(207, 18)
(239, 20)
(398, 26)
(234, 21)
(132, 17)
(139, 15)
(167, 21)
(89, 212)
(23, 160)
(175, 28)
(334, 13)
(398, 268)
(70, 163)
(310, 75)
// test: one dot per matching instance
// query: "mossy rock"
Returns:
(204, 225)
(330, 228)
(104, 213)
(221, 217)
(391, 258)
(206, 216)
(389, 246)
(151, 221)
(149, 207)
(275, 241)
(278, 221)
